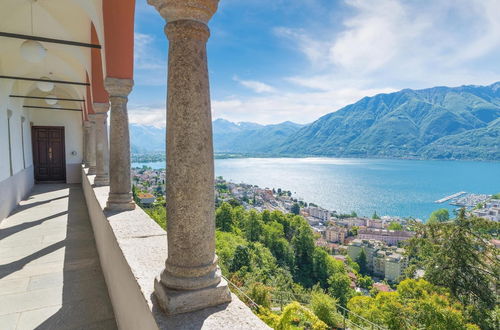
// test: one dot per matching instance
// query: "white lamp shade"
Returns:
(45, 86)
(33, 51)
(50, 100)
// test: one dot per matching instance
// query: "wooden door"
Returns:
(49, 153)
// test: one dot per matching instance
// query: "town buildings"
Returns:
(490, 211)
(335, 234)
(382, 260)
(391, 237)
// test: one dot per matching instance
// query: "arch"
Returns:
(119, 37)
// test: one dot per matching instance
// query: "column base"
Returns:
(101, 180)
(92, 170)
(183, 301)
(119, 202)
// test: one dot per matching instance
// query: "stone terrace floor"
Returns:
(50, 277)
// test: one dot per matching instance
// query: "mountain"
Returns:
(435, 123)
(250, 137)
(146, 138)
(439, 122)
(244, 137)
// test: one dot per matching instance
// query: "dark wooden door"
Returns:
(48, 153)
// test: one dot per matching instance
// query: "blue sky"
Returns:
(277, 60)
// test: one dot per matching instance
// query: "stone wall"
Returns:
(132, 251)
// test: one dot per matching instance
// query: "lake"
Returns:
(389, 187)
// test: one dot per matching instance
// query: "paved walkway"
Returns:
(50, 276)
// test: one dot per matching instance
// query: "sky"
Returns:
(277, 60)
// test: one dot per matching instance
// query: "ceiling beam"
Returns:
(47, 80)
(54, 41)
(46, 98)
(65, 109)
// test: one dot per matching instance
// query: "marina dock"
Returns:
(447, 198)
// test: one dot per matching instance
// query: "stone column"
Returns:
(102, 147)
(86, 137)
(91, 156)
(191, 279)
(120, 194)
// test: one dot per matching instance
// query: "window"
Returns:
(22, 140)
(9, 115)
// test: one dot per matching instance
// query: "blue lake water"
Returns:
(389, 187)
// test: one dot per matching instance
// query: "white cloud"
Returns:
(145, 116)
(256, 86)
(145, 56)
(382, 46)
(298, 107)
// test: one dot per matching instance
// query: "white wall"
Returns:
(16, 186)
(14, 105)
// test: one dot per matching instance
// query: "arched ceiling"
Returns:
(57, 19)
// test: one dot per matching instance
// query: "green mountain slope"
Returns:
(228, 137)
(403, 124)
(482, 143)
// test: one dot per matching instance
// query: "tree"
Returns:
(324, 266)
(296, 316)
(458, 256)
(416, 304)
(325, 308)
(295, 209)
(224, 220)
(354, 214)
(261, 294)
(362, 262)
(375, 216)
(440, 215)
(303, 245)
(340, 288)
(395, 226)
(253, 226)
(241, 258)
(365, 282)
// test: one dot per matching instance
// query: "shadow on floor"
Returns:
(85, 300)
(6, 232)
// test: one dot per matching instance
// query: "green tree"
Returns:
(416, 304)
(395, 226)
(241, 258)
(296, 316)
(375, 216)
(458, 256)
(340, 288)
(362, 262)
(325, 308)
(440, 215)
(365, 282)
(261, 294)
(353, 214)
(303, 245)
(295, 209)
(224, 220)
(324, 266)
(159, 214)
(266, 216)
(253, 226)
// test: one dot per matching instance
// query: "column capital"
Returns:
(118, 86)
(194, 10)
(87, 123)
(101, 108)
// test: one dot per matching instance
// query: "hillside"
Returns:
(408, 123)
(436, 123)
(228, 137)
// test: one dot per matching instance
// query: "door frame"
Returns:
(35, 151)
